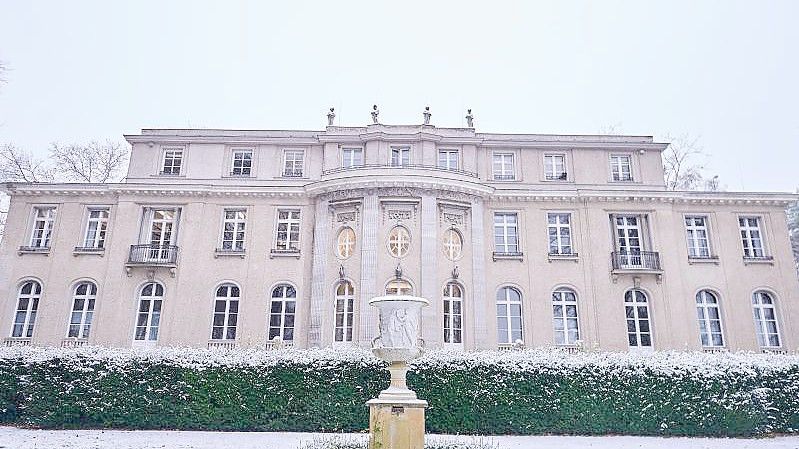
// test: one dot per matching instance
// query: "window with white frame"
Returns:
(345, 312)
(293, 162)
(555, 167)
(399, 287)
(43, 221)
(96, 229)
(559, 233)
(448, 159)
(80, 320)
(399, 241)
(27, 305)
(351, 157)
(453, 314)
(226, 312)
(162, 233)
(621, 167)
(506, 233)
(173, 161)
(697, 235)
(751, 237)
(288, 230)
(148, 315)
(453, 244)
(564, 315)
(233, 226)
(282, 311)
(509, 315)
(345, 243)
(709, 315)
(400, 156)
(766, 325)
(242, 163)
(636, 310)
(503, 167)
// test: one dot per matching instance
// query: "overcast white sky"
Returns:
(725, 71)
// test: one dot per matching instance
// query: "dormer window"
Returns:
(173, 161)
(621, 167)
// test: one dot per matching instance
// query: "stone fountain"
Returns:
(396, 416)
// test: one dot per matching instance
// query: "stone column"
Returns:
(429, 288)
(479, 297)
(319, 294)
(367, 328)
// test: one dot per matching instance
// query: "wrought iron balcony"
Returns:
(153, 255)
(642, 260)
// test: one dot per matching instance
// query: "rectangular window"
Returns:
(621, 168)
(696, 233)
(288, 230)
(448, 159)
(502, 164)
(233, 226)
(173, 160)
(96, 228)
(751, 237)
(506, 236)
(400, 157)
(559, 231)
(242, 163)
(43, 221)
(293, 163)
(555, 167)
(351, 157)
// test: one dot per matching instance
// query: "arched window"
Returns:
(226, 312)
(282, 310)
(27, 305)
(453, 314)
(345, 311)
(80, 321)
(564, 313)
(636, 310)
(509, 315)
(707, 311)
(453, 244)
(768, 330)
(148, 318)
(399, 241)
(399, 287)
(345, 243)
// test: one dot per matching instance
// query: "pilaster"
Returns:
(429, 270)
(368, 285)
(481, 305)
(318, 283)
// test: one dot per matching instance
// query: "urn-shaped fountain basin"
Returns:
(399, 328)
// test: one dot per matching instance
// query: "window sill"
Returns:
(79, 250)
(703, 260)
(622, 181)
(229, 253)
(232, 176)
(298, 178)
(33, 250)
(508, 256)
(765, 260)
(284, 253)
(169, 175)
(574, 257)
(505, 179)
(17, 341)
(221, 344)
(72, 342)
(558, 180)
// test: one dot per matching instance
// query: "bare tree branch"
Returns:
(19, 165)
(93, 162)
(793, 230)
(682, 170)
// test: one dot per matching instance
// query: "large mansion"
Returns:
(227, 238)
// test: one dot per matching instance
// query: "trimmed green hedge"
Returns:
(524, 392)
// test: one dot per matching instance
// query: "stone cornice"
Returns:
(460, 188)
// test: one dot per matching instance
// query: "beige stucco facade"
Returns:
(342, 177)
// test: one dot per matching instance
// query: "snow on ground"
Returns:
(14, 438)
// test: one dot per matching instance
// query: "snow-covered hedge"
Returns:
(516, 392)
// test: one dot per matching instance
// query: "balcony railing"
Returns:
(643, 260)
(504, 177)
(288, 173)
(557, 176)
(395, 167)
(153, 254)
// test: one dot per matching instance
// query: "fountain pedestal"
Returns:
(396, 416)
